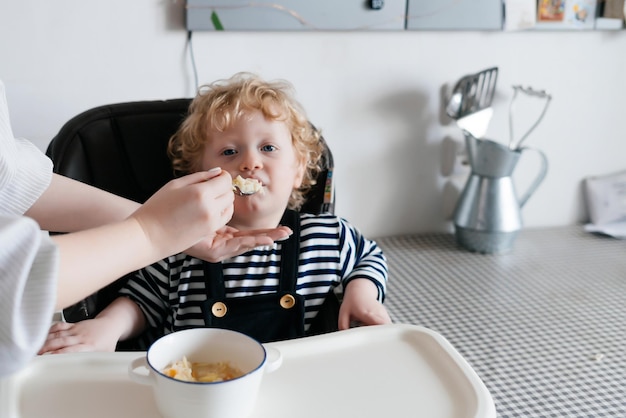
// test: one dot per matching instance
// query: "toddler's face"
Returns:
(261, 149)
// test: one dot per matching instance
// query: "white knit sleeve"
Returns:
(28, 279)
(25, 172)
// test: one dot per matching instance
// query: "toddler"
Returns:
(255, 129)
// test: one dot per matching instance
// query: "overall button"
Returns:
(287, 301)
(219, 309)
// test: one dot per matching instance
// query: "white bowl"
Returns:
(226, 399)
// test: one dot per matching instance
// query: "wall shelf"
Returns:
(399, 15)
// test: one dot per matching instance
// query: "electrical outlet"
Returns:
(453, 158)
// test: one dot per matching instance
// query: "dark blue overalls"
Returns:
(268, 317)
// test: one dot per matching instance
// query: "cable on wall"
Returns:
(193, 58)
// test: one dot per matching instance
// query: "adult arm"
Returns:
(68, 205)
(178, 216)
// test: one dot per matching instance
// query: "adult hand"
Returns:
(187, 209)
(229, 242)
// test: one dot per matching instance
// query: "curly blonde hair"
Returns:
(219, 105)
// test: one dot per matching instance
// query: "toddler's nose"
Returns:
(250, 161)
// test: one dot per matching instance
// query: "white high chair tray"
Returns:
(391, 370)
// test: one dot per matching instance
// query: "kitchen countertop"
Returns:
(544, 326)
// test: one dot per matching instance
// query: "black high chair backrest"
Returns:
(122, 148)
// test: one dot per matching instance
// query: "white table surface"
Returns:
(395, 370)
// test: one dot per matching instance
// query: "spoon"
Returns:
(240, 192)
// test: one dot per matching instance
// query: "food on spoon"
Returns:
(202, 372)
(247, 186)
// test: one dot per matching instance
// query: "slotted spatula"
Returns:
(470, 102)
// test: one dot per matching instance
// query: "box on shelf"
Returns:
(610, 15)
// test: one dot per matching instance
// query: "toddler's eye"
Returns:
(268, 148)
(229, 152)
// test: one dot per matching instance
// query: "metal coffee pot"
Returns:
(487, 218)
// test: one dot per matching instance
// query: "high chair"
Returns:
(121, 148)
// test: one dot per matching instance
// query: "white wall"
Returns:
(376, 96)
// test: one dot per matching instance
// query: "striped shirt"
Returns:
(332, 252)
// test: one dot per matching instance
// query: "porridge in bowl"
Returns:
(202, 371)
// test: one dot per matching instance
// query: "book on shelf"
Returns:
(566, 14)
